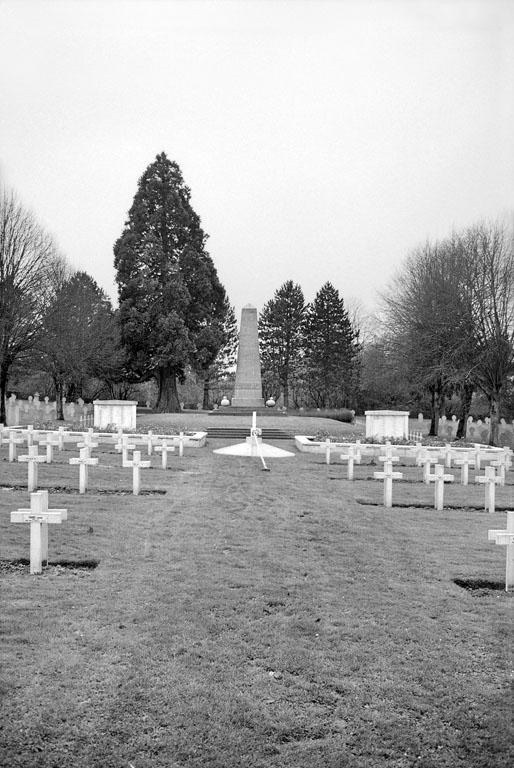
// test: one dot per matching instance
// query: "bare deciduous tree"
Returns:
(25, 252)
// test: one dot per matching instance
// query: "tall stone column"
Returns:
(248, 387)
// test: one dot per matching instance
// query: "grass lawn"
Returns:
(257, 619)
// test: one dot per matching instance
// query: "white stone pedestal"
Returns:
(122, 413)
(380, 424)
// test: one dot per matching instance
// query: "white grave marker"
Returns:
(84, 461)
(439, 479)
(136, 465)
(388, 476)
(490, 481)
(164, 449)
(467, 460)
(15, 438)
(32, 460)
(124, 447)
(351, 456)
(506, 539)
(39, 516)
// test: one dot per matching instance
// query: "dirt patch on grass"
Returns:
(92, 492)
(22, 566)
(483, 587)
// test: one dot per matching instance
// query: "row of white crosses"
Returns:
(85, 460)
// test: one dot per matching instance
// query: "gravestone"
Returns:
(39, 516)
(506, 538)
(248, 386)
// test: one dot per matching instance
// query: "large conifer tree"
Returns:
(281, 338)
(331, 350)
(169, 291)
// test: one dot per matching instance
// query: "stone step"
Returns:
(229, 410)
(240, 433)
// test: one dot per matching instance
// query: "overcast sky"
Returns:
(321, 140)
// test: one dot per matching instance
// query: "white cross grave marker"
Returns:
(388, 476)
(136, 465)
(88, 441)
(30, 434)
(149, 439)
(506, 539)
(467, 460)
(124, 446)
(447, 455)
(182, 438)
(32, 460)
(439, 479)
(15, 438)
(425, 460)
(163, 449)
(84, 461)
(328, 445)
(388, 453)
(490, 481)
(501, 463)
(39, 516)
(50, 441)
(351, 456)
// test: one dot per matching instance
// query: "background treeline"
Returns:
(442, 342)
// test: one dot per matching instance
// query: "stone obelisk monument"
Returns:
(248, 387)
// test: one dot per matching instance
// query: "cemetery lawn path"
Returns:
(253, 619)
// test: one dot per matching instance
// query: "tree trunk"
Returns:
(465, 396)
(59, 394)
(494, 415)
(434, 415)
(205, 404)
(4, 370)
(167, 399)
(285, 392)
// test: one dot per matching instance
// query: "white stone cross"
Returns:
(447, 455)
(491, 481)
(425, 460)
(388, 453)
(352, 457)
(15, 438)
(84, 461)
(164, 449)
(124, 446)
(328, 446)
(506, 539)
(467, 460)
(39, 516)
(136, 465)
(388, 476)
(501, 463)
(88, 441)
(32, 460)
(30, 434)
(182, 438)
(439, 479)
(149, 439)
(50, 441)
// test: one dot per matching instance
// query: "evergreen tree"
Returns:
(331, 350)
(281, 339)
(169, 292)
